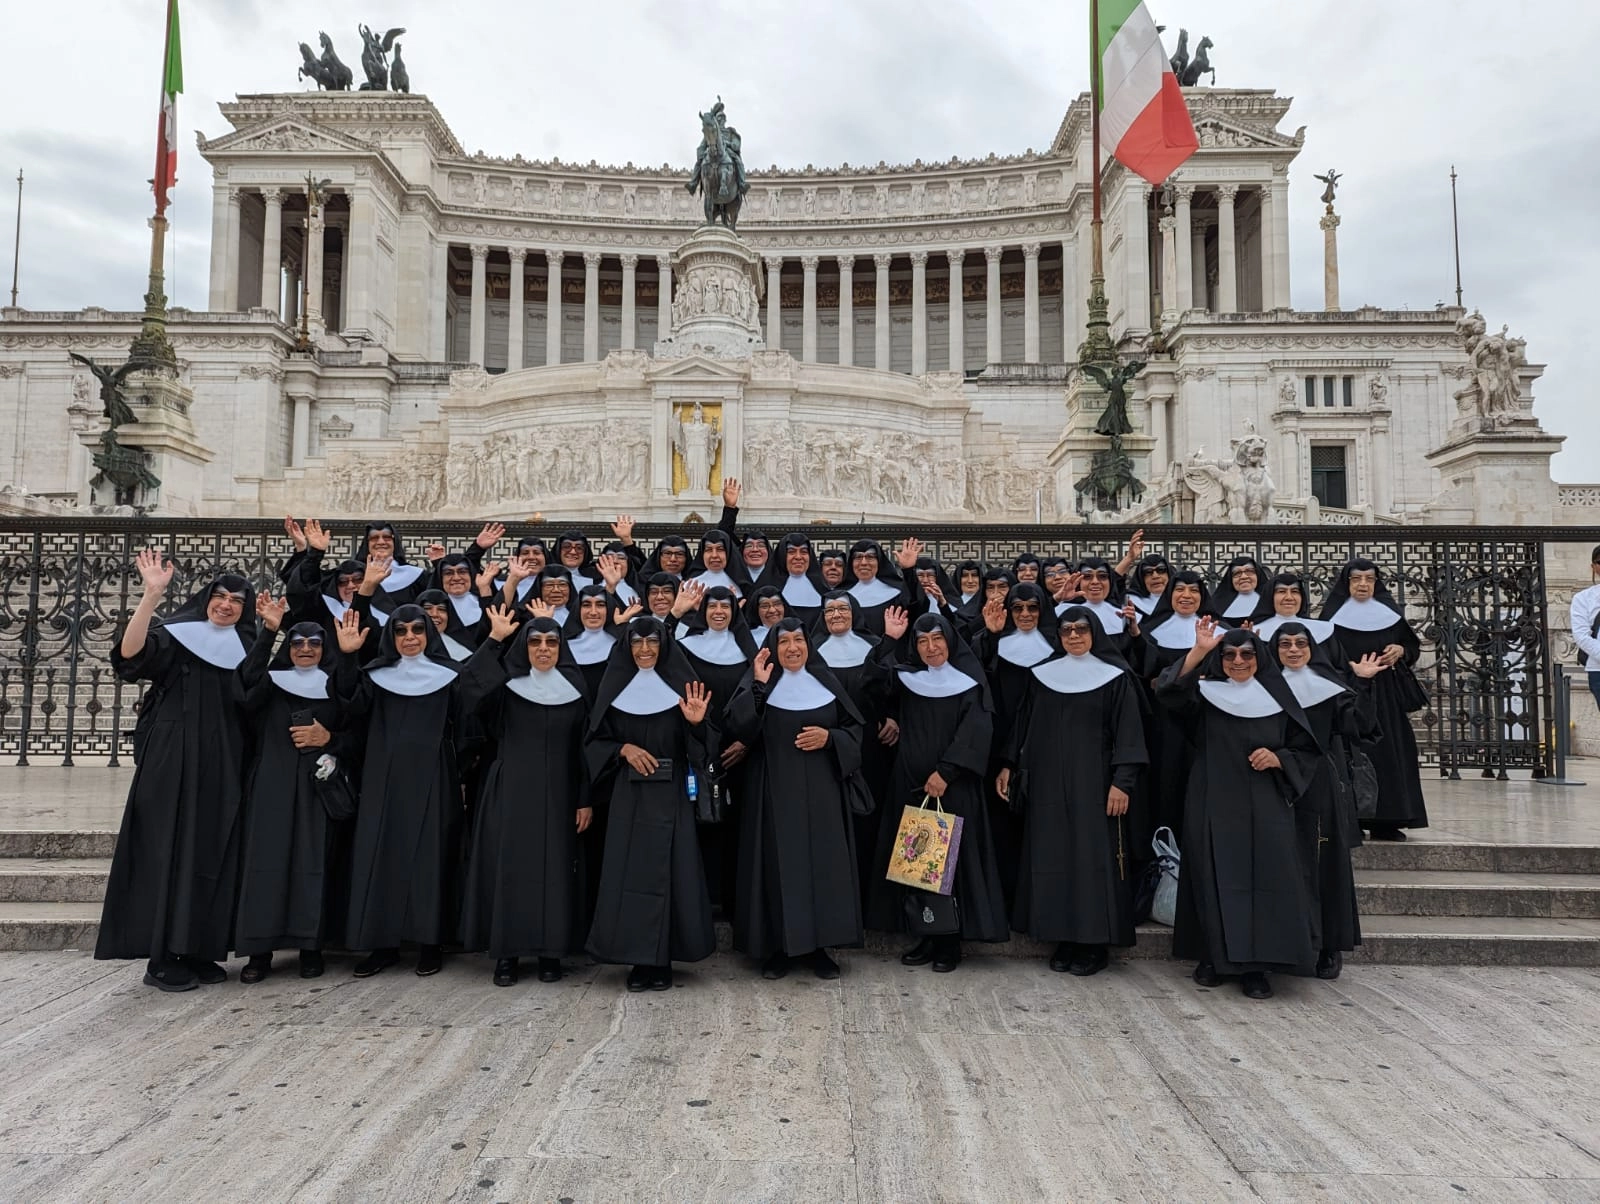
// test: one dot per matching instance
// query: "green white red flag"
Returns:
(167, 130)
(1144, 121)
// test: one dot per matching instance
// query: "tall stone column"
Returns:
(480, 267)
(515, 320)
(439, 300)
(357, 280)
(1269, 244)
(847, 310)
(300, 438)
(219, 247)
(552, 303)
(1030, 302)
(775, 302)
(880, 306)
(1158, 430)
(1072, 328)
(1136, 254)
(272, 252)
(1279, 196)
(316, 327)
(991, 298)
(808, 312)
(663, 297)
(1183, 237)
(1168, 226)
(1289, 470)
(1227, 248)
(591, 306)
(1381, 495)
(230, 283)
(1202, 294)
(630, 264)
(919, 313)
(291, 297)
(1330, 259)
(956, 256)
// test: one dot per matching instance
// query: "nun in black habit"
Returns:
(1341, 712)
(588, 634)
(169, 898)
(288, 896)
(876, 583)
(646, 728)
(946, 722)
(1243, 903)
(797, 575)
(405, 856)
(763, 607)
(403, 581)
(1071, 766)
(1291, 603)
(717, 563)
(1165, 640)
(523, 883)
(1148, 581)
(1366, 619)
(798, 892)
(1241, 595)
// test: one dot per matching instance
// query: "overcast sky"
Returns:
(1391, 95)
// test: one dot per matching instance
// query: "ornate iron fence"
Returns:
(1475, 595)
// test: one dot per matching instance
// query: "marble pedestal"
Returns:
(716, 303)
(1497, 477)
(165, 433)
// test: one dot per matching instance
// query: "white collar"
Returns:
(844, 651)
(579, 581)
(1024, 649)
(559, 614)
(302, 683)
(1144, 604)
(1241, 699)
(591, 646)
(1242, 606)
(458, 651)
(944, 682)
(874, 592)
(1370, 615)
(547, 687)
(797, 690)
(965, 598)
(412, 676)
(1320, 629)
(714, 647)
(626, 594)
(646, 694)
(711, 579)
(467, 607)
(1310, 687)
(1175, 631)
(1075, 674)
(219, 646)
(1110, 616)
(400, 577)
(335, 607)
(798, 591)
(523, 586)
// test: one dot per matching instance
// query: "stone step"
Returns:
(34, 926)
(53, 844)
(53, 879)
(1477, 893)
(1420, 853)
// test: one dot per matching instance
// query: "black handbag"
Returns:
(928, 914)
(1412, 696)
(332, 785)
(1363, 783)
(858, 795)
(711, 797)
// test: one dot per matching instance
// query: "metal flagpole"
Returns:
(1097, 348)
(16, 246)
(1455, 226)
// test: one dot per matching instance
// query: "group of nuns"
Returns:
(575, 753)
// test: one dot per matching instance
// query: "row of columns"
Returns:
(1190, 246)
(227, 232)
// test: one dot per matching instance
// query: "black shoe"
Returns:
(1061, 959)
(311, 963)
(505, 971)
(1388, 833)
(1205, 975)
(1330, 963)
(1256, 986)
(823, 966)
(919, 954)
(257, 968)
(946, 954)
(549, 969)
(661, 978)
(376, 962)
(1091, 959)
(207, 973)
(775, 967)
(639, 978)
(170, 976)
(430, 960)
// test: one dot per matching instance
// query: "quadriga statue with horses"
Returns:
(719, 169)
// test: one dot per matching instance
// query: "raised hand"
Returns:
(293, 530)
(696, 698)
(436, 552)
(517, 572)
(994, 615)
(895, 622)
(908, 551)
(485, 580)
(1135, 550)
(155, 572)
(810, 739)
(628, 612)
(933, 591)
(1369, 666)
(318, 536)
(351, 633)
(761, 667)
(689, 595)
(612, 567)
(490, 535)
(1208, 634)
(540, 609)
(502, 622)
(271, 610)
(377, 572)
(1069, 587)
(730, 492)
(623, 529)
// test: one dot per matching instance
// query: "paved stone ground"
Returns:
(1002, 1081)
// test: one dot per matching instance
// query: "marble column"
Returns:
(1289, 469)
(880, 303)
(919, 313)
(1278, 195)
(1158, 431)
(958, 311)
(1030, 302)
(480, 262)
(439, 303)
(591, 306)
(1381, 470)
(1202, 293)
(1268, 243)
(300, 439)
(663, 296)
(230, 283)
(1072, 320)
(552, 302)
(991, 297)
(272, 252)
(515, 319)
(219, 246)
(291, 297)
(1136, 255)
(1330, 260)
(630, 264)
(847, 310)
(775, 302)
(1227, 248)
(315, 326)
(808, 312)
(1184, 249)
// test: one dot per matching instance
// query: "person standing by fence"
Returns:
(1586, 625)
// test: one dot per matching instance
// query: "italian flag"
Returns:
(167, 131)
(1143, 119)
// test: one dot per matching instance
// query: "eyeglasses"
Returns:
(653, 641)
(1080, 627)
(549, 640)
(1294, 641)
(412, 627)
(305, 641)
(228, 594)
(1096, 575)
(1024, 608)
(1238, 654)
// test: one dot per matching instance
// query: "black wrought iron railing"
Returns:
(1476, 596)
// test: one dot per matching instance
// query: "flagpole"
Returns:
(1455, 229)
(151, 342)
(16, 246)
(1097, 346)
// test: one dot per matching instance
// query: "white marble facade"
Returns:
(896, 320)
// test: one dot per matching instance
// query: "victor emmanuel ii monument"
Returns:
(489, 336)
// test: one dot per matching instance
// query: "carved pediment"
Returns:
(1219, 132)
(285, 135)
(698, 368)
